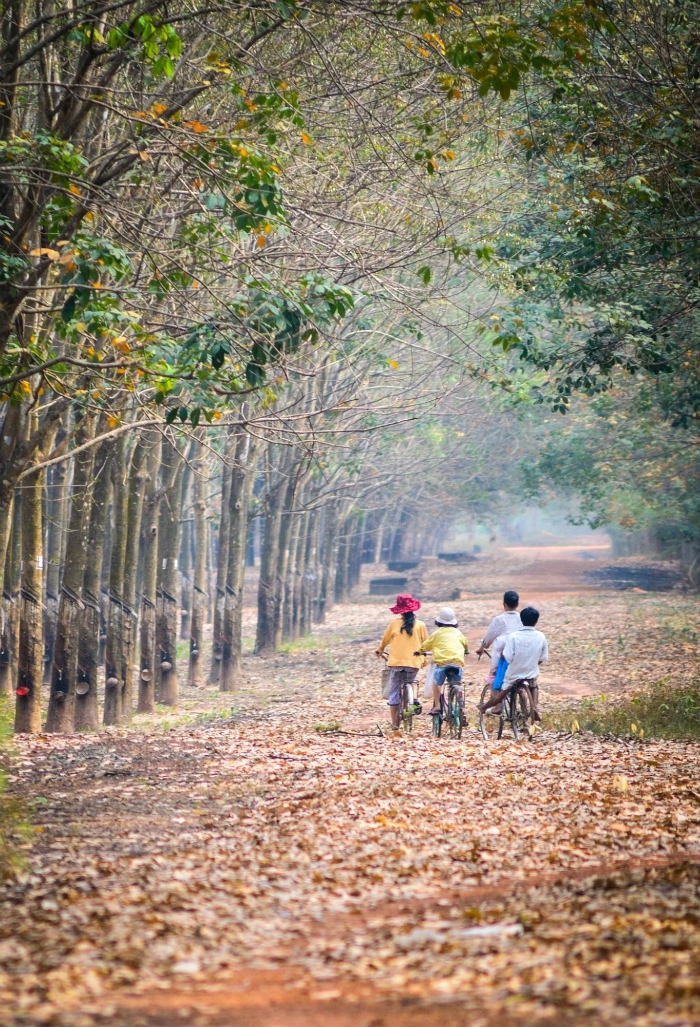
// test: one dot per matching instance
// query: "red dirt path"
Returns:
(588, 864)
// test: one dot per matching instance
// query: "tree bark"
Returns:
(87, 716)
(9, 633)
(269, 597)
(31, 641)
(149, 548)
(167, 690)
(198, 596)
(113, 713)
(60, 716)
(138, 477)
(221, 572)
(242, 479)
(57, 511)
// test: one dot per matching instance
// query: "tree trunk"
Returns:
(168, 584)
(149, 543)
(57, 512)
(64, 664)
(198, 597)
(138, 477)
(328, 561)
(309, 577)
(113, 713)
(242, 479)
(86, 700)
(185, 553)
(9, 633)
(221, 572)
(268, 587)
(31, 641)
(9, 434)
(292, 578)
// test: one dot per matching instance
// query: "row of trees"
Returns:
(602, 256)
(291, 260)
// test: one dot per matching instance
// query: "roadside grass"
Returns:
(662, 710)
(14, 825)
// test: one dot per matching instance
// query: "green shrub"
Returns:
(662, 710)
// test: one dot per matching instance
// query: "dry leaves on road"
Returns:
(512, 883)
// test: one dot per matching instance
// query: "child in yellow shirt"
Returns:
(448, 647)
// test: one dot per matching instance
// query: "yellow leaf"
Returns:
(392, 363)
(73, 188)
(620, 783)
(306, 138)
(44, 251)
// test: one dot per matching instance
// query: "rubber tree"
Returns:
(87, 716)
(9, 608)
(57, 503)
(149, 553)
(64, 663)
(168, 584)
(199, 592)
(243, 468)
(117, 614)
(283, 465)
(222, 562)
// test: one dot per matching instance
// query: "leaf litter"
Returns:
(262, 862)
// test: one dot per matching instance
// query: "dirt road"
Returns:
(283, 862)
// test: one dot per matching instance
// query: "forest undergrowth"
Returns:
(274, 857)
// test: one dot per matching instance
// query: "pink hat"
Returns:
(405, 604)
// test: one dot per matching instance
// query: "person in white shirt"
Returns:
(495, 636)
(524, 650)
(504, 622)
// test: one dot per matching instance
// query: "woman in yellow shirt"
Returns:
(404, 635)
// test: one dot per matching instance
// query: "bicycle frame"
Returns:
(516, 710)
(451, 706)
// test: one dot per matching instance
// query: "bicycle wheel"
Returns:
(456, 712)
(521, 711)
(490, 724)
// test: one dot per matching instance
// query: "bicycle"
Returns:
(517, 709)
(407, 710)
(451, 710)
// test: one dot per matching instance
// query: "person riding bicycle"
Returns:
(400, 638)
(494, 637)
(524, 651)
(448, 647)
